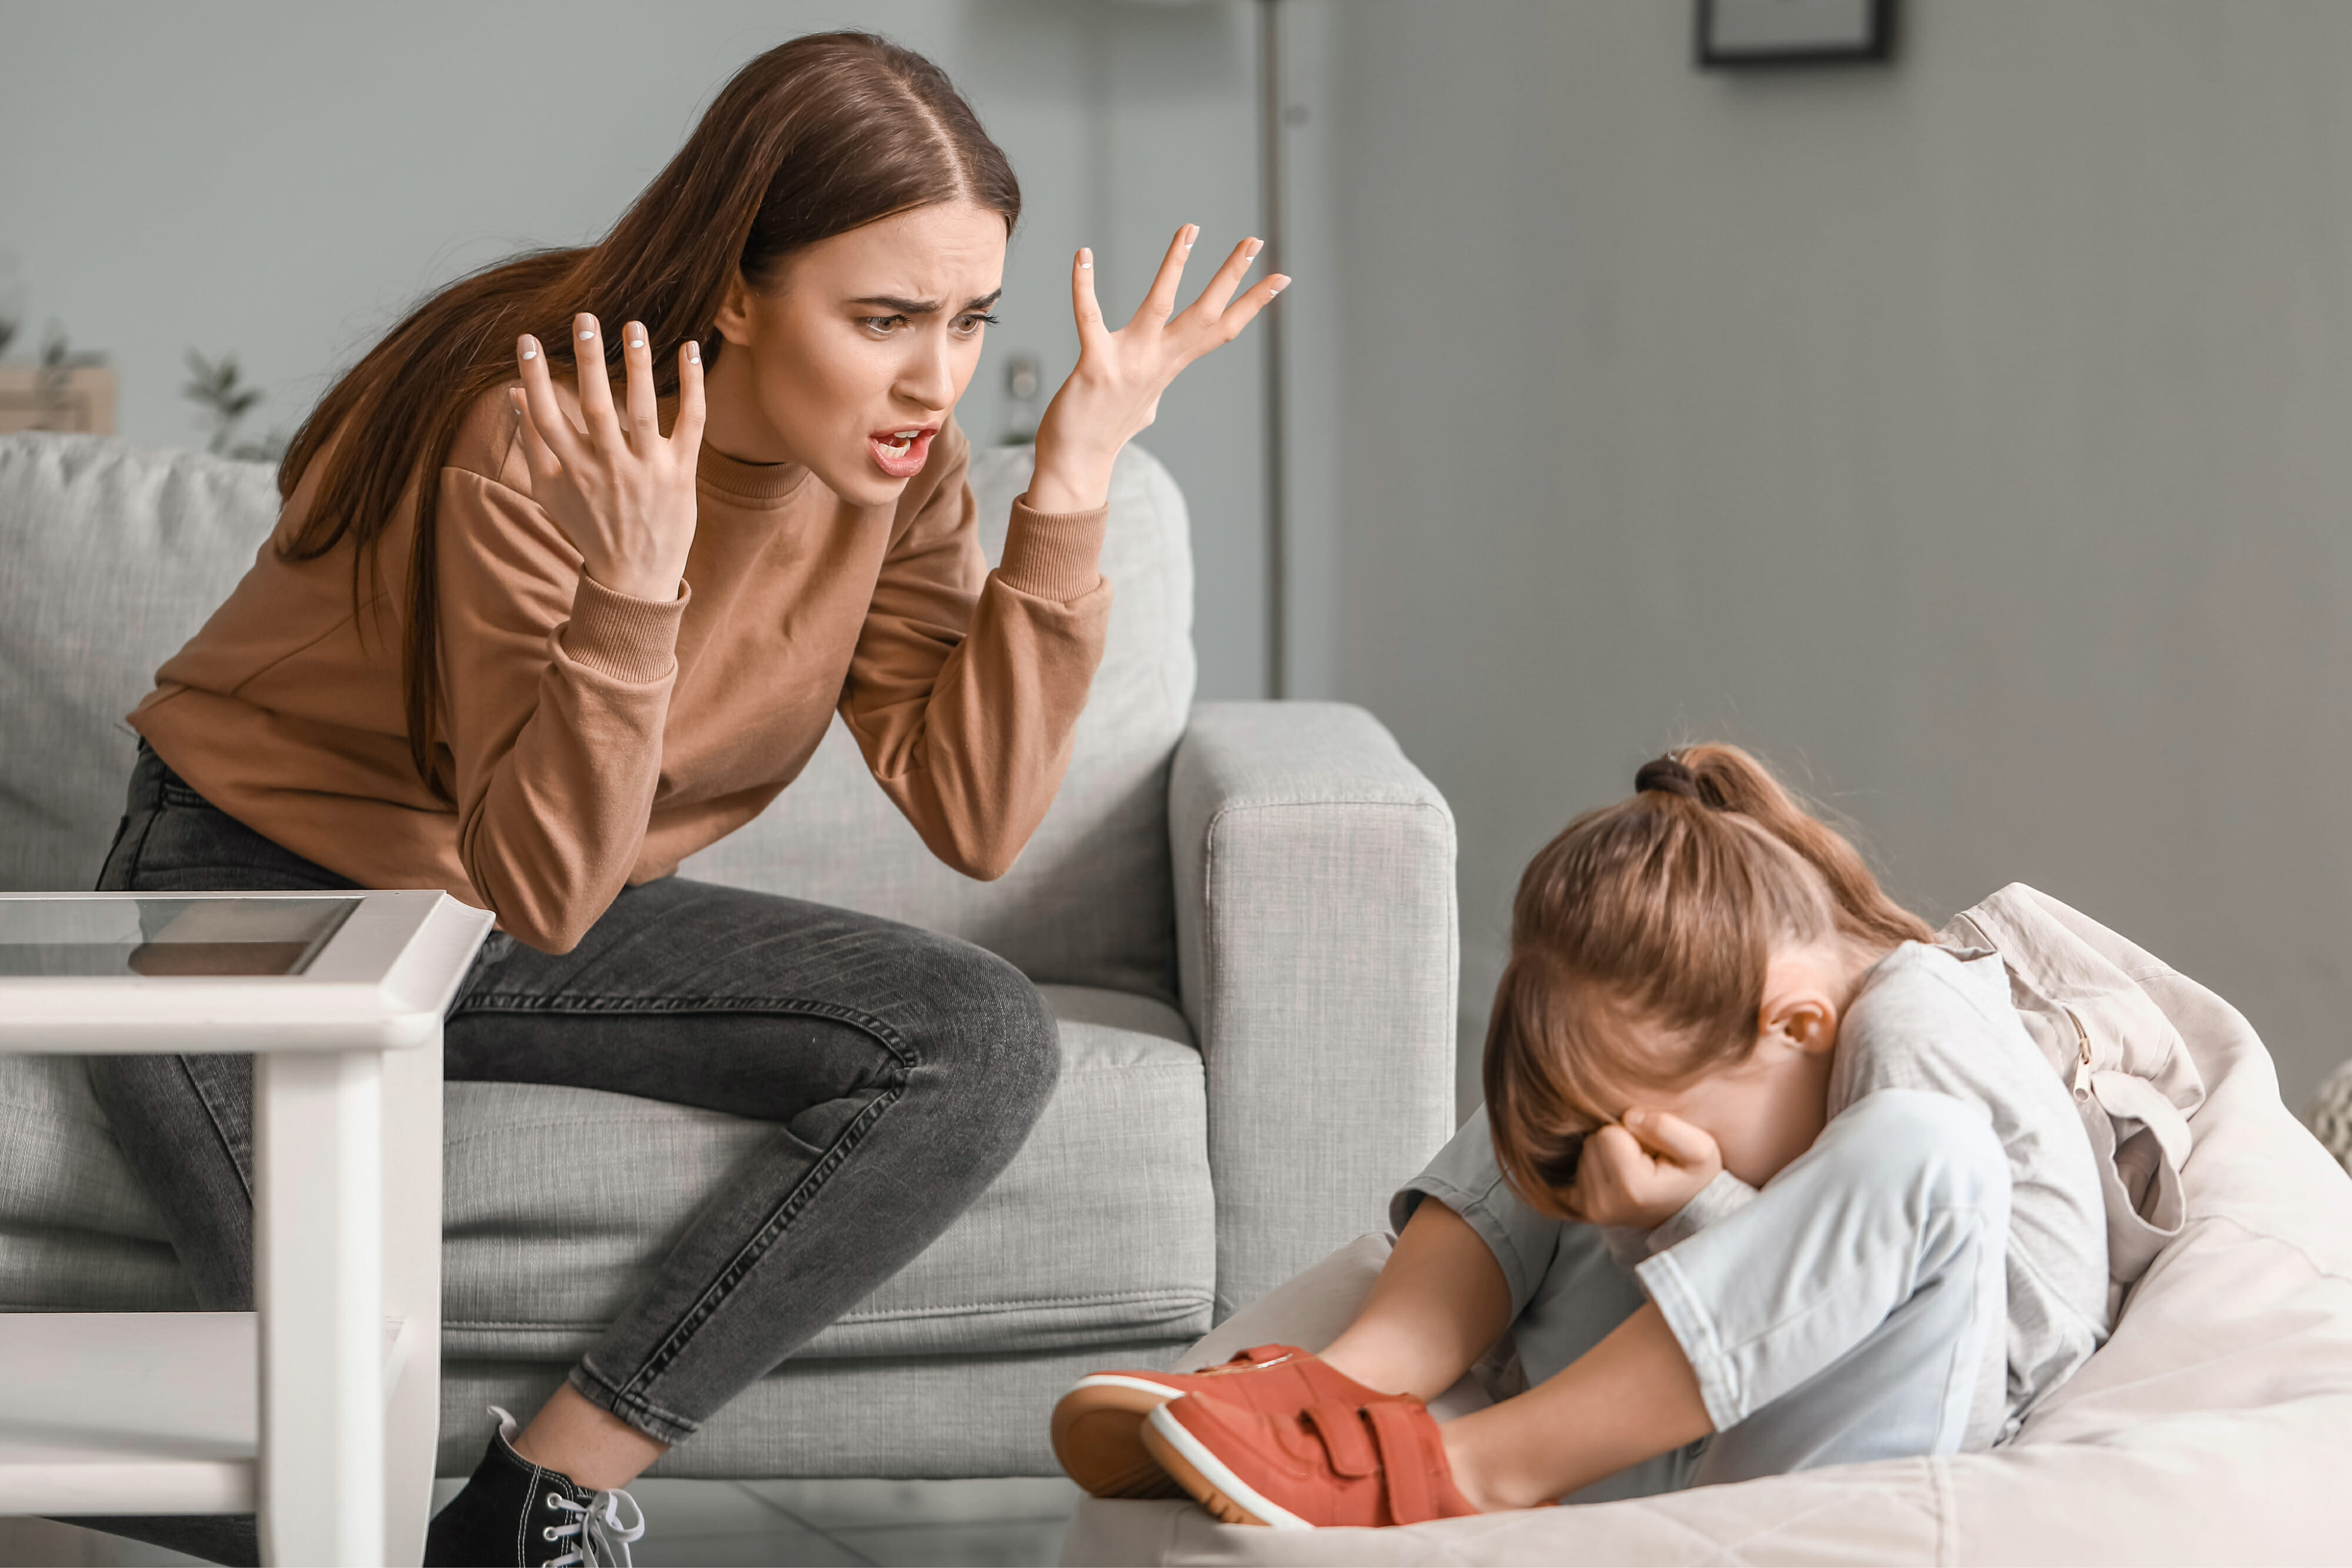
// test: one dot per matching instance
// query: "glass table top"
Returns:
(166, 936)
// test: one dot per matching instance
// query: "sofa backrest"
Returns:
(111, 556)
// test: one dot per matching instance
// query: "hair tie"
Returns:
(1668, 776)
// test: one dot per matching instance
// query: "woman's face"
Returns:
(849, 360)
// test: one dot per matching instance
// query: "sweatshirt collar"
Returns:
(756, 485)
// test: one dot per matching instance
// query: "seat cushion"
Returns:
(558, 1203)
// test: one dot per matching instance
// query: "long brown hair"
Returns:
(816, 137)
(1640, 940)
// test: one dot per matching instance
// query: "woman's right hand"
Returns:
(622, 492)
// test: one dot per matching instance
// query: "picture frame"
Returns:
(1765, 34)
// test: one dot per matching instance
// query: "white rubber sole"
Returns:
(1218, 1474)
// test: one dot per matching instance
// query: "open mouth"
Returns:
(901, 453)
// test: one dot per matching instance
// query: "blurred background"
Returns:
(1971, 433)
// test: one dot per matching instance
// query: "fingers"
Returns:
(595, 386)
(540, 459)
(553, 434)
(637, 366)
(1242, 311)
(1677, 1140)
(1228, 277)
(1161, 303)
(687, 434)
(1613, 1156)
(1083, 303)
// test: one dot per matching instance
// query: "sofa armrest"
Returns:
(1317, 951)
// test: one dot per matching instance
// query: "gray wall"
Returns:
(1971, 437)
(1967, 436)
(280, 180)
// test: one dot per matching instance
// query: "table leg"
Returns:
(412, 1292)
(319, 1213)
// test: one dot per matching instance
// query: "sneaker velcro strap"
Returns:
(1341, 1428)
(1396, 1429)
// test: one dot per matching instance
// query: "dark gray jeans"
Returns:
(902, 1070)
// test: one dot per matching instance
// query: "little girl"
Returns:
(1764, 1181)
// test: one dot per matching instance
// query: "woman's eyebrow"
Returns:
(924, 307)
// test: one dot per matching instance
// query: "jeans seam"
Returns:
(139, 851)
(113, 845)
(629, 1397)
(211, 1114)
(790, 1007)
(631, 1394)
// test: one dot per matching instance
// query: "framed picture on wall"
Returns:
(1739, 35)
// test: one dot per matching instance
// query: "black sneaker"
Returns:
(514, 1514)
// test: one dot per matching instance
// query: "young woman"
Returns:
(1764, 1181)
(573, 569)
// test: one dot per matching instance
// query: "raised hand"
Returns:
(622, 492)
(1115, 391)
(1641, 1170)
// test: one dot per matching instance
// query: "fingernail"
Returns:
(636, 342)
(530, 347)
(585, 337)
(1086, 258)
(1254, 246)
(1192, 233)
(694, 353)
(1278, 287)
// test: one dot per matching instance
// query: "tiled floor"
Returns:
(715, 1525)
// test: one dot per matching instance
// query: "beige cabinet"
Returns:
(80, 398)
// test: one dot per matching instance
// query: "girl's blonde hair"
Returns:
(1639, 943)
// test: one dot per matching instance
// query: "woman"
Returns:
(512, 640)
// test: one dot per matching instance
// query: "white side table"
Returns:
(320, 1411)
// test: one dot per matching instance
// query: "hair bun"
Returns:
(1668, 776)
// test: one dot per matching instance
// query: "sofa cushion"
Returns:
(111, 558)
(112, 555)
(559, 1202)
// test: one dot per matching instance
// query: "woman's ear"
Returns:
(734, 318)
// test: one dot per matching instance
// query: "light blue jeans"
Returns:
(1855, 1310)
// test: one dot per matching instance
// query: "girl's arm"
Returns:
(1440, 1301)
(1629, 1398)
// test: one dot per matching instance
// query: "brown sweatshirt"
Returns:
(593, 739)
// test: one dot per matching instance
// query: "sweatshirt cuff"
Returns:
(1720, 1199)
(1053, 555)
(621, 635)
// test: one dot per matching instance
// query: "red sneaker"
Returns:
(1327, 1465)
(1098, 1425)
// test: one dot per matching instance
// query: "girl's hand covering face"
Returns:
(622, 492)
(1115, 391)
(1642, 1169)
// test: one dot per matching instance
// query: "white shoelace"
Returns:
(600, 1537)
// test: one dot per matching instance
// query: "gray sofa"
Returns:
(1243, 913)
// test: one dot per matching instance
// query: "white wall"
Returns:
(1970, 436)
(280, 180)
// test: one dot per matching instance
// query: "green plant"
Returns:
(219, 389)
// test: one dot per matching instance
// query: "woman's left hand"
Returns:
(1115, 391)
